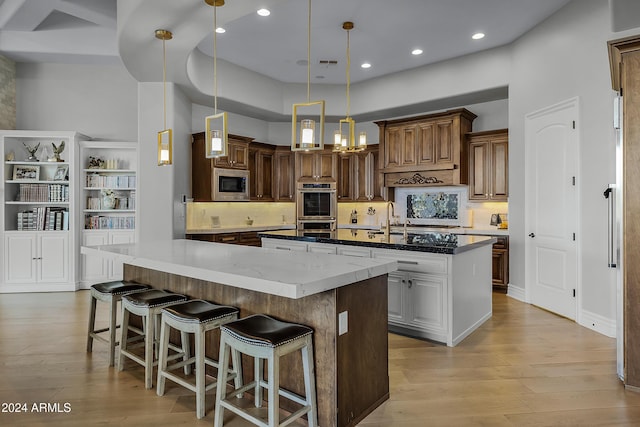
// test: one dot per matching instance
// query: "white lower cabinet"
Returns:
(97, 269)
(36, 257)
(287, 245)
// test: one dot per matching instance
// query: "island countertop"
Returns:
(287, 274)
(441, 243)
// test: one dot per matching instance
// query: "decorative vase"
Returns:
(108, 202)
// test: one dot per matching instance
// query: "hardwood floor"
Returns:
(524, 367)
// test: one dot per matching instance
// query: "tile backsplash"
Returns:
(234, 214)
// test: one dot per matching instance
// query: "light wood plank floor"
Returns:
(524, 367)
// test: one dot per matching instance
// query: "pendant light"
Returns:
(305, 135)
(344, 138)
(165, 137)
(216, 133)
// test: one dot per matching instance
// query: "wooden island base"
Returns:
(351, 369)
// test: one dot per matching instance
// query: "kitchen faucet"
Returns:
(390, 207)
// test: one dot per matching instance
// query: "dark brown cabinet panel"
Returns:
(284, 176)
(261, 172)
(500, 264)
(488, 165)
(316, 165)
(238, 154)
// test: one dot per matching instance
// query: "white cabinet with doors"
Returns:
(98, 269)
(38, 215)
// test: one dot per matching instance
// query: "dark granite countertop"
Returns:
(441, 243)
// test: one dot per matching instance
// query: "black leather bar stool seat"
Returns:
(147, 304)
(265, 338)
(195, 317)
(111, 293)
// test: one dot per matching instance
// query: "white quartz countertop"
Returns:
(289, 274)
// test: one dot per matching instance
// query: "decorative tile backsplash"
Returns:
(433, 206)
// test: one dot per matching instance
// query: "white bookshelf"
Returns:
(38, 215)
(101, 224)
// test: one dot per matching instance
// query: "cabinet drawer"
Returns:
(354, 251)
(422, 263)
(502, 243)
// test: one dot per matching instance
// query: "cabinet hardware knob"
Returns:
(532, 235)
(410, 282)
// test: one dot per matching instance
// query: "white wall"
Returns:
(565, 57)
(100, 101)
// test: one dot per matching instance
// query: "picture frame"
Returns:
(61, 173)
(26, 172)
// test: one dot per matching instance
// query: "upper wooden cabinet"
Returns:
(202, 167)
(316, 165)
(238, 154)
(284, 176)
(430, 143)
(261, 171)
(489, 166)
(358, 176)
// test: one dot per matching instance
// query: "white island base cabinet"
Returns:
(97, 269)
(36, 262)
(440, 297)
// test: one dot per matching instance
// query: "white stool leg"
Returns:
(124, 326)
(162, 361)
(236, 363)
(200, 374)
(186, 349)
(221, 387)
(113, 311)
(92, 323)
(148, 350)
(273, 363)
(310, 381)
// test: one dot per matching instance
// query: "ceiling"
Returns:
(385, 33)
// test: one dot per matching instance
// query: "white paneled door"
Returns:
(551, 145)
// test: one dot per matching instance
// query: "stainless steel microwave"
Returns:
(230, 185)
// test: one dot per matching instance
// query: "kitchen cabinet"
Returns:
(95, 269)
(430, 143)
(261, 172)
(316, 165)
(202, 167)
(359, 176)
(238, 154)
(36, 257)
(284, 175)
(500, 264)
(488, 166)
(246, 238)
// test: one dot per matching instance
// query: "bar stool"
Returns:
(195, 317)
(263, 337)
(147, 304)
(111, 293)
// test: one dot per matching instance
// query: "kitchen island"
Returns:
(442, 289)
(344, 300)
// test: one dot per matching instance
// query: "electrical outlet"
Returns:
(343, 323)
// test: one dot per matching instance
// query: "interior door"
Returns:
(551, 145)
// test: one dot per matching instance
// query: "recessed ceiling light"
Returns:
(365, 65)
(220, 30)
(264, 12)
(416, 52)
(477, 36)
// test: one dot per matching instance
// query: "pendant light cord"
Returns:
(215, 61)
(164, 81)
(309, 55)
(348, 75)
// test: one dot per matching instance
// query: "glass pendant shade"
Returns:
(217, 135)
(306, 120)
(165, 147)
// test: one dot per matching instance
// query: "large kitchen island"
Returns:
(343, 299)
(442, 290)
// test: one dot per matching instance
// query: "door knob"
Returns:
(532, 235)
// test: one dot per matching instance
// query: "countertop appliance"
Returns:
(316, 206)
(230, 185)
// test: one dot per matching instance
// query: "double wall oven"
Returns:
(316, 206)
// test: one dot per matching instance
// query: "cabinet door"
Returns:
(327, 165)
(354, 251)
(285, 182)
(116, 269)
(427, 301)
(261, 169)
(287, 245)
(366, 176)
(408, 146)
(426, 144)
(54, 257)
(444, 142)
(95, 268)
(479, 169)
(346, 172)
(499, 170)
(305, 165)
(393, 146)
(397, 297)
(20, 252)
(237, 158)
(321, 248)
